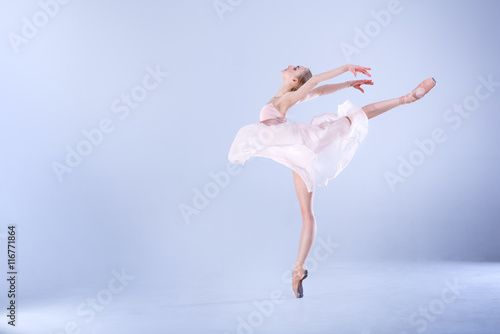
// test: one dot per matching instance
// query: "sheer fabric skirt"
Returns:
(318, 151)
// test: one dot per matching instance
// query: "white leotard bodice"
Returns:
(269, 115)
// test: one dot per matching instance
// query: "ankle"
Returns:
(298, 265)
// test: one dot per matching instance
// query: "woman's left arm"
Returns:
(290, 98)
(332, 88)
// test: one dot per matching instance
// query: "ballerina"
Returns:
(317, 151)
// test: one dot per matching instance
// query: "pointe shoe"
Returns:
(297, 276)
(419, 92)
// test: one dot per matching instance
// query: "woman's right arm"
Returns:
(291, 98)
(340, 70)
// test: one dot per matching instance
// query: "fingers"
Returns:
(364, 70)
(364, 82)
(358, 84)
(361, 69)
(366, 73)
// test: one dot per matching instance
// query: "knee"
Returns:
(308, 218)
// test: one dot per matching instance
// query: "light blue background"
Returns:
(121, 207)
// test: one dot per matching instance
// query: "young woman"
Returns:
(317, 151)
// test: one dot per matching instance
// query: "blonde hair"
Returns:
(302, 79)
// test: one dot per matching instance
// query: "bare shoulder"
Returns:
(289, 99)
(282, 103)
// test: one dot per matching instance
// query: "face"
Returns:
(293, 72)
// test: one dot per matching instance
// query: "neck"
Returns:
(285, 88)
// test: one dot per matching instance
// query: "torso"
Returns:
(273, 112)
(269, 114)
(275, 102)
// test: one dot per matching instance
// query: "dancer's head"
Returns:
(296, 76)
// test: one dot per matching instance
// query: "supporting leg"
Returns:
(308, 233)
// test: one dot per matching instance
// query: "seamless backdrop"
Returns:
(117, 117)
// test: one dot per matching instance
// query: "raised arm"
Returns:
(341, 70)
(325, 89)
(300, 94)
(330, 74)
(332, 88)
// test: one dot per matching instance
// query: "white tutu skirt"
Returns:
(318, 151)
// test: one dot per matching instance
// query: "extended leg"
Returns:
(378, 108)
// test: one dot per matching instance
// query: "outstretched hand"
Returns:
(357, 84)
(356, 68)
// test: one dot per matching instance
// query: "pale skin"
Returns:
(285, 98)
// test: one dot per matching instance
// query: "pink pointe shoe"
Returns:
(419, 92)
(297, 276)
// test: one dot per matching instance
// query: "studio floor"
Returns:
(339, 297)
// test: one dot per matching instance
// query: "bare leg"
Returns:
(378, 108)
(308, 233)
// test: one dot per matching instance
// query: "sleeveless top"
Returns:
(269, 115)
